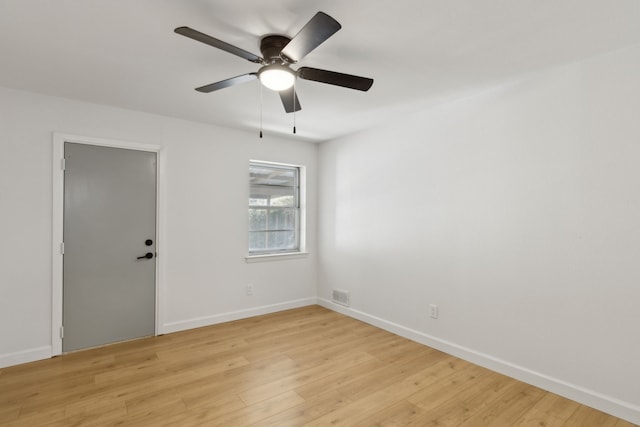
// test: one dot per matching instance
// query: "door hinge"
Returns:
(61, 332)
(63, 164)
(62, 248)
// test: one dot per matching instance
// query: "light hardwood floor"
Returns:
(303, 367)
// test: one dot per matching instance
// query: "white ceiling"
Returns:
(124, 53)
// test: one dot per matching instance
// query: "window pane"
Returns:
(281, 240)
(272, 241)
(255, 200)
(257, 219)
(264, 195)
(257, 241)
(282, 219)
(282, 200)
(272, 176)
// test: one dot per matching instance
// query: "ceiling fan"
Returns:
(278, 54)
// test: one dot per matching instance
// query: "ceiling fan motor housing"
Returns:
(271, 46)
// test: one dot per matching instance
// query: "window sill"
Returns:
(275, 257)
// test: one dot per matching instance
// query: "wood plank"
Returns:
(589, 417)
(405, 384)
(305, 412)
(509, 408)
(551, 411)
(258, 412)
(9, 412)
(100, 414)
(400, 413)
(302, 377)
(453, 410)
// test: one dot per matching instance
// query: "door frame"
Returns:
(58, 225)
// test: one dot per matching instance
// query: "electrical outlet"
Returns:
(433, 310)
(249, 289)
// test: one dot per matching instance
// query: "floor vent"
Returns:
(341, 297)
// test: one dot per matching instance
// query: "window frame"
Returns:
(299, 217)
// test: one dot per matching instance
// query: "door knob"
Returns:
(148, 255)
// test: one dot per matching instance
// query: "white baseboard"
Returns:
(25, 356)
(235, 315)
(625, 410)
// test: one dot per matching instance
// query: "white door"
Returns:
(109, 262)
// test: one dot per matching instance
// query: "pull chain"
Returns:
(294, 107)
(260, 110)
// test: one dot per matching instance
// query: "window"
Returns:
(274, 208)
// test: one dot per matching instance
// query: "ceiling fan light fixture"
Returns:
(276, 77)
(279, 52)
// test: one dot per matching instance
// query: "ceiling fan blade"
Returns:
(212, 41)
(228, 82)
(287, 96)
(312, 35)
(334, 78)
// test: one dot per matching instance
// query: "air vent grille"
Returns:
(341, 297)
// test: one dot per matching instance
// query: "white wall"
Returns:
(517, 212)
(206, 176)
